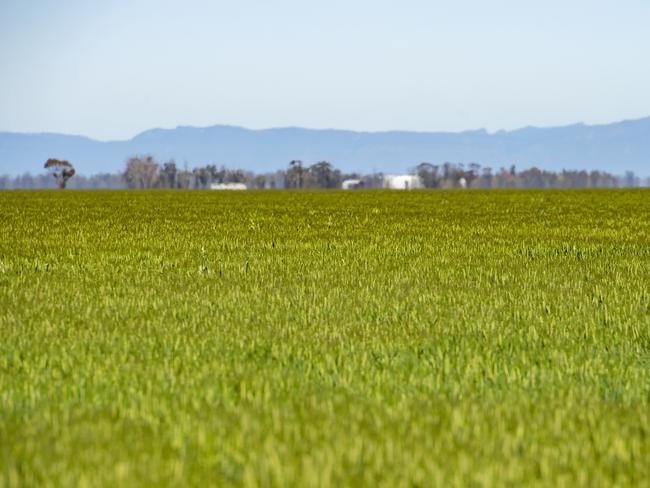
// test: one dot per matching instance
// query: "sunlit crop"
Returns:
(325, 338)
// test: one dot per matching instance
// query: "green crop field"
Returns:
(325, 338)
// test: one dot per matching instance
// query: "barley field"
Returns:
(306, 339)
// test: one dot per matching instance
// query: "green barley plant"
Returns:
(425, 338)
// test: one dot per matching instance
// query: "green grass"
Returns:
(325, 339)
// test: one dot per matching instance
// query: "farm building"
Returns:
(228, 186)
(351, 184)
(402, 182)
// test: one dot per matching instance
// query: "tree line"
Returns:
(449, 175)
(144, 172)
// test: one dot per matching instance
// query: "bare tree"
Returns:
(141, 172)
(62, 171)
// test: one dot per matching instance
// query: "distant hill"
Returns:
(616, 148)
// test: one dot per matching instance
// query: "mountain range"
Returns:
(616, 148)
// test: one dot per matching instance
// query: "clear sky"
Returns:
(110, 69)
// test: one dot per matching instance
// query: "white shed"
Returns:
(402, 182)
(351, 184)
(228, 186)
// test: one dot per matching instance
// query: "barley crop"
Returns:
(328, 339)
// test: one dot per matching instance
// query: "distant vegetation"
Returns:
(314, 338)
(144, 172)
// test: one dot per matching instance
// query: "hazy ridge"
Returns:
(616, 148)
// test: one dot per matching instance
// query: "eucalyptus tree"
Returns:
(61, 170)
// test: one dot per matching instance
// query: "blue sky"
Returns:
(112, 69)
